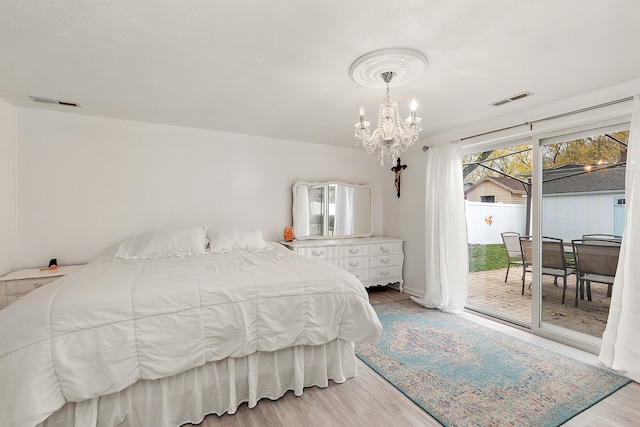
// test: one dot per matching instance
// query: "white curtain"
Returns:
(446, 250)
(620, 349)
(344, 211)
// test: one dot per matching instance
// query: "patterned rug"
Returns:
(464, 374)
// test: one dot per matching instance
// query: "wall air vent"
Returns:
(511, 99)
(41, 100)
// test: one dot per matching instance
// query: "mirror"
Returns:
(332, 209)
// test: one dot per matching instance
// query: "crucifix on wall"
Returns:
(397, 169)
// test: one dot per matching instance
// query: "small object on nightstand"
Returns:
(53, 265)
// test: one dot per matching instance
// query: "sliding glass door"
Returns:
(529, 207)
(498, 206)
(582, 200)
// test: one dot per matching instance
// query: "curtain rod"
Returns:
(557, 116)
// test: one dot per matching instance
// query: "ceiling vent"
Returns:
(54, 101)
(511, 99)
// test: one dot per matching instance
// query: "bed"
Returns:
(174, 325)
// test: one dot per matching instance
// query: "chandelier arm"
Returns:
(373, 141)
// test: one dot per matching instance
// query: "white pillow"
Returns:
(168, 242)
(226, 241)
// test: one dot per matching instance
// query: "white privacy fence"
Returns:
(568, 217)
(565, 217)
(485, 221)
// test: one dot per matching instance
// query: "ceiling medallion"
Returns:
(407, 65)
(379, 69)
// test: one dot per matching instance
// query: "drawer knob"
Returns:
(317, 252)
(354, 263)
(384, 273)
(385, 250)
(385, 261)
(353, 251)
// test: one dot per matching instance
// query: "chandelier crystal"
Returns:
(393, 134)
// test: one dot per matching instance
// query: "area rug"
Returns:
(465, 374)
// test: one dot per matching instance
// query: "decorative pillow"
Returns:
(226, 241)
(168, 242)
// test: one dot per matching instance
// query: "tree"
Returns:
(596, 150)
(516, 161)
(512, 161)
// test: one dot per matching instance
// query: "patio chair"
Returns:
(511, 241)
(605, 239)
(526, 251)
(596, 261)
(554, 262)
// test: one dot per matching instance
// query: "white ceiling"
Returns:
(281, 68)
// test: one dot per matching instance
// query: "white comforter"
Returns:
(115, 321)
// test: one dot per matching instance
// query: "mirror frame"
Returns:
(323, 183)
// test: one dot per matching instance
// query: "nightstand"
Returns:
(19, 283)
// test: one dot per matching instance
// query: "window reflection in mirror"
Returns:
(319, 223)
(331, 209)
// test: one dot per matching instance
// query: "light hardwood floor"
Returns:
(369, 400)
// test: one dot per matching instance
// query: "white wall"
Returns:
(87, 183)
(7, 188)
(404, 216)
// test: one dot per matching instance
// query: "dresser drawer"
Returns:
(354, 263)
(385, 261)
(320, 253)
(354, 251)
(385, 275)
(24, 286)
(362, 275)
(16, 289)
(385, 248)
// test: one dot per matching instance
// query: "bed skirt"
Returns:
(214, 388)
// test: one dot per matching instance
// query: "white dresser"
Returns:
(19, 283)
(376, 261)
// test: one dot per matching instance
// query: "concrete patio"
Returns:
(487, 290)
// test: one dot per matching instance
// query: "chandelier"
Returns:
(392, 134)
